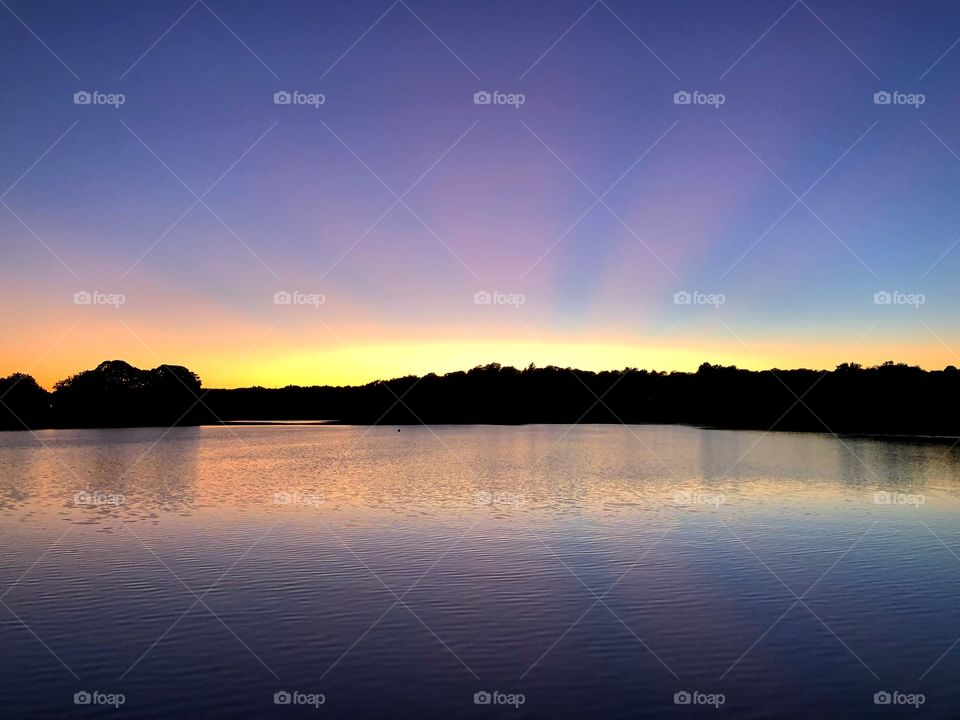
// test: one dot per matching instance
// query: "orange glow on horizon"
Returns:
(279, 361)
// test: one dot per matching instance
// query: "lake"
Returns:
(477, 572)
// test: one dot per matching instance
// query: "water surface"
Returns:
(596, 570)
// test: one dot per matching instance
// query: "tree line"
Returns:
(891, 398)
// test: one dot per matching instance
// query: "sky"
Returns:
(388, 220)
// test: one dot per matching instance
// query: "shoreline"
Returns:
(921, 438)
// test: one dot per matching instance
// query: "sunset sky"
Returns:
(398, 199)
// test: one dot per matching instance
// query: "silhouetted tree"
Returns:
(116, 394)
(23, 403)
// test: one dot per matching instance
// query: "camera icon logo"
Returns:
(482, 97)
(682, 698)
(882, 98)
(282, 97)
(482, 298)
(82, 98)
(882, 298)
(482, 698)
(282, 698)
(682, 97)
(882, 497)
(82, 698)
(682, 298)
(282, 297)
(882, 698)
(82, 298)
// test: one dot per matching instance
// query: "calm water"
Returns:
(596, 571)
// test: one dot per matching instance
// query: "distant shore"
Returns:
(926, 439)
(948, 440)
(889, 401)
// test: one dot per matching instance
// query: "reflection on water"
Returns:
(597, 571)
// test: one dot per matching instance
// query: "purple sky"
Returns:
(782, 199)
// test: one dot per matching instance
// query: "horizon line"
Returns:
(532, 365)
